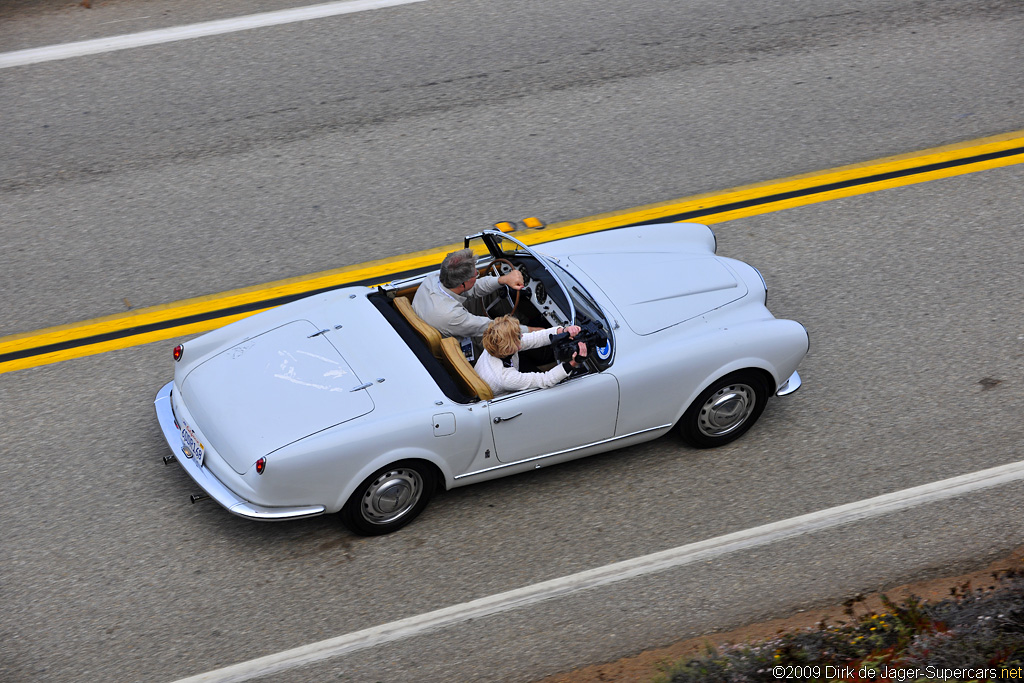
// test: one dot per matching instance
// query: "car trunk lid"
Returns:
(271, 390)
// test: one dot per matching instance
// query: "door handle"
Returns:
(499, 420)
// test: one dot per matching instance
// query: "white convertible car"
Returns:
(347, 402)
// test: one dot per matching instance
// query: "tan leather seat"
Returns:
(429, 333)
(463, 373)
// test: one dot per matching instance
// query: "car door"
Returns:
(541, 422)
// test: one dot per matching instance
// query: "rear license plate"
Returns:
(191, 446)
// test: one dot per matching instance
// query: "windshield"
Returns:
(549, 297)
(502, 246)
(583, 303)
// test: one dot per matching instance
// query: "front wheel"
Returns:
(389, 499)
(725, 410)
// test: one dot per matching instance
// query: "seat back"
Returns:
(429, 333)
(463, 373)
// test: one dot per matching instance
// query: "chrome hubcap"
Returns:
(392, 495)
(726, 410)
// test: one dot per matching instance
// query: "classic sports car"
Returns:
(348, 402)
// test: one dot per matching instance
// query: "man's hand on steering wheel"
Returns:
(509, 276)
(513, 279)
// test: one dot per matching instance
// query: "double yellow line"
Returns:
(191, 316)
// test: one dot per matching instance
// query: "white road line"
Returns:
(612, 573)
(208, 28)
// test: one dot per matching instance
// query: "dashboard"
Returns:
(541, 290)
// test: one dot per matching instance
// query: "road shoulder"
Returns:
(642, 668)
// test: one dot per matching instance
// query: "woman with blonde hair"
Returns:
(499, 363)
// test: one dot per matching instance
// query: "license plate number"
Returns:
(192, 447)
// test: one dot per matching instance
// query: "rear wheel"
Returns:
(725, 410)
(389, 499)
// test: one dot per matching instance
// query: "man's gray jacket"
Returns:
(446, 311)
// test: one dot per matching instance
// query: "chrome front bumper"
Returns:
(790, 385)
(208, 481)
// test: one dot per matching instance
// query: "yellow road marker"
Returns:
(201, 314)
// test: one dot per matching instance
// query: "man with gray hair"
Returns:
(442, 298)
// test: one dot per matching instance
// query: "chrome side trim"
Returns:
(209, 483)
(561, 452)
(790, 385)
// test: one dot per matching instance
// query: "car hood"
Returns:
(656, 290)
(271, 390)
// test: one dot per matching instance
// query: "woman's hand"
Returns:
(581, 354)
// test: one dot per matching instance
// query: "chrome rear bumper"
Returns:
(209, 483)
(790, 385)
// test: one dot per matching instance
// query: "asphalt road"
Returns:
(151, 175)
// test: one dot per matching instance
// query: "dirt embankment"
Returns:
(646, 665)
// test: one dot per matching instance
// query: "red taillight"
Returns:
(179, 350)
(261, 465)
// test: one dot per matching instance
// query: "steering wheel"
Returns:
(499, 267)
